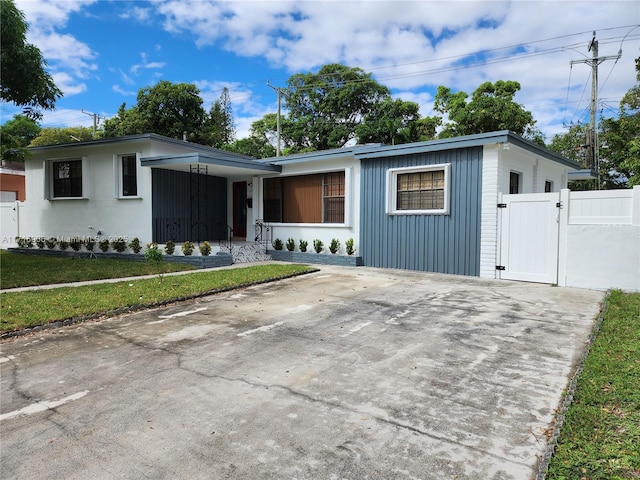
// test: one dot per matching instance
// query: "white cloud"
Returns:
(418, 45)
(68, 84)
(68, 58)
(140, 14)
(121, 91)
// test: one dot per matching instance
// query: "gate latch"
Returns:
(502, 205)
(500, 267)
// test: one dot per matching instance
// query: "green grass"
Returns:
(22, 270)
(600, 438)
(20, 310)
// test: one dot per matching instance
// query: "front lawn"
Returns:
(600, 438)
(24, 270)
(20, 310)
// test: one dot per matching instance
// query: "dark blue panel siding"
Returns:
(432, 243)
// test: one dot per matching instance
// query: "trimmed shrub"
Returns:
(169, 247)
(348, 245)
(334, 246)
(135, 245)
(318, 245)
(119, 244)
(291, 244)
(205, 248)
(303, 245)
(188, 247)
(103, 245)
(277, 244)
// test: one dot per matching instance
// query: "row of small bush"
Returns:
(318, 245)
(118, 244)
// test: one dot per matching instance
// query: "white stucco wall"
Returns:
(603, 256)
(498, 161)
(601, 240)
(322, 231)
(100, 209)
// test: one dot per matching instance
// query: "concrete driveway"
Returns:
(348, 373)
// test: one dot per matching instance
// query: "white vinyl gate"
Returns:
(529, 237)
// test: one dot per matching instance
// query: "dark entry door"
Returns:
(239, 209)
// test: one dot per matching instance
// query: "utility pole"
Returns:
(279, 92)
(593, 157)
(96, 119)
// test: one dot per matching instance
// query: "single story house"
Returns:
(429, 206)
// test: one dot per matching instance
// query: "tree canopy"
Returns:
(23, 78)
(491, 108)
(326, 107)
(170, 109)
(58, 136)
(15, 135)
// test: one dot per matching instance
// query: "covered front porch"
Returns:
(198, 197)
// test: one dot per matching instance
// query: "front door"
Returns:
(240, 209)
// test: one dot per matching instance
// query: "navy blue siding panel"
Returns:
(432, 243)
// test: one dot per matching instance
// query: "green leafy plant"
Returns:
(51, 242)
(291, 244)
(303, 245)
(135, 245)
(89, 244)
(318, 245)
(63, 244)
(24, 242)
(348, 246)
(205, 248)
(169, 247)
(40, 242)
(153, 254)
(188, 247)
(104, 245)
(75, 243)
(119, 244)
(277, 244)
(334, 246)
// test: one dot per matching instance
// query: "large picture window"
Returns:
(67, 178)
(318, 198)
(418, 190)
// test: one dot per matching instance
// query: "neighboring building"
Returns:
(423, 206)
(12, 182)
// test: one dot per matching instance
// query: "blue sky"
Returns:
(102, 52)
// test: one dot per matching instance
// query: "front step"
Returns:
(246, 252)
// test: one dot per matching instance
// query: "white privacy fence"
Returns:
(9, 224)
(599, 239)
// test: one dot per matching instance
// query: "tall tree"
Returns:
(167, 109)
(326, 107)
(15, 135)
(23, 78)
(491, 108)
(221, 124)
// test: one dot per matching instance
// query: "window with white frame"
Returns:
(126, 171)
(418, 190)
(548, 186)
(66, 178)
(515, 182)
